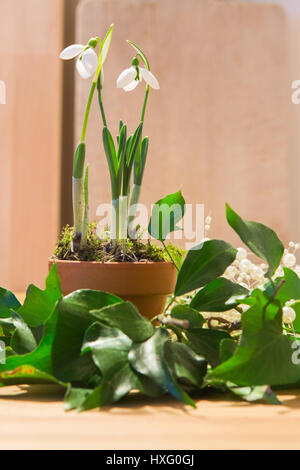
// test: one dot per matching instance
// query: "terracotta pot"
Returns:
(147, 285)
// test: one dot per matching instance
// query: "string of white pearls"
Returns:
(243, 271)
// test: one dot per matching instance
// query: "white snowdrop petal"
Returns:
(131, 85)
(83, 72)
(72, 51)
(90, 60)
(150, 78)
(126, 77)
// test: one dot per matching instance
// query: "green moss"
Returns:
(103, 250)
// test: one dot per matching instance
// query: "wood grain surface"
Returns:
(33, 418)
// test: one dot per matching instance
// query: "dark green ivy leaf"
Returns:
(7, 302)
(203, 264)
(218, 296)
(148, 358)
(186, 313)
(206, 343)
(264, 354)
(126, 317)
(260, 239)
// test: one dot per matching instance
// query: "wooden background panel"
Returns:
(219, 126)
(30, 122)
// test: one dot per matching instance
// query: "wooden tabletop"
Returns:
(33, 418)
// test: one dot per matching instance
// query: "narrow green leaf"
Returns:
(203, 264)
(79, 160)
(141, 54)
(260, 239)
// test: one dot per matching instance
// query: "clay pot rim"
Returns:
(112, 263)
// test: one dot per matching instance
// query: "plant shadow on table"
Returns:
(135, 403)
(35, 393)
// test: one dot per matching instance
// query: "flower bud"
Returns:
(93, 43)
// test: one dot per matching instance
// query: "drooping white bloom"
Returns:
(87, 61)
(131, 77)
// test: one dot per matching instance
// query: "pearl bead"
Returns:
(291, 244)
(245, 265)
(241, 254)
(297, 246)
(208, 220)
(288, 315)
(207, 227)
(289, 260)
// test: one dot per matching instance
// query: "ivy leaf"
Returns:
(109, 348)
(125, 317)
(166, 213)
(185, 363)
(29, 375)
(227, 349)
(264, 354)
(148, 358)
(7, 302)
(206, 343)
(218, 296)
(290, 289)
(40, 358)
(259, 393)
(24, 340)
(39, 304)
(186, 313)
(203, 264)
(261, 240)
(74, 318)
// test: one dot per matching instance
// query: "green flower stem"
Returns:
(169, 254)
(145, 103)
(99, 87)
(87, 111)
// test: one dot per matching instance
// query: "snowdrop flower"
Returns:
(130, 78)
(87, 61)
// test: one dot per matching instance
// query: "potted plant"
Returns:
(122, 263)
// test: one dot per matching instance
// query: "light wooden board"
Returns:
(220, 125)
(34, 419)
